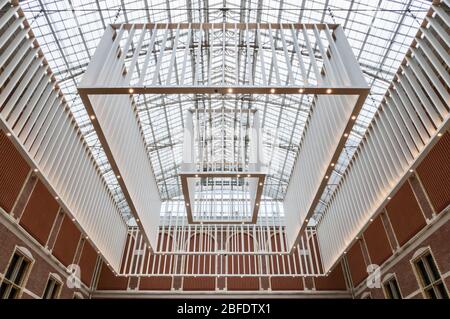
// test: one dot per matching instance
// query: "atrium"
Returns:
(288, 149)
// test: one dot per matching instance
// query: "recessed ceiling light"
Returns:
(187, 204)
(36, 170)
(56, 197)
(354, 117)
(230, 90)
(238, 175)
(248, 175)
(326, 177)
(137, 220)
(8, 134)
(329, 91)
(196, 175)
(346, 135)
(92, 117)
(260, 184)
(272, 90)
(301, 90)
(411, 170)
(332, 164)
(131, 91)
(118, 176)
(439, 134)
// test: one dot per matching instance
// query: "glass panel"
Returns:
(395, 289)
(20, 274)
(433, 268)
(423, 272)
(12, 266)
(13, 293)
(430, 293)
(443, 293)
(48, 289)
(3, 289)
(388, 289)
(55, 290)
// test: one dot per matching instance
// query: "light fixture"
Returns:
(326, 176)
(332, 164)
(56, 197)
(92, 117)
(187, 204)
(389, 198)
(248, 175)
(346, 135)
(354, 117)
(118, 176)
(87, 237)
(238, 175)
(301, 90)
(439, 134)
(272, 90)
(230, 90)
(411, 170)
(371, 220)
(260, 184)
(257, 204)
(36, 170)
(137, 220)
(131, 91)
(196, 175)
(8, 134)
(73, 219)
(329, 91)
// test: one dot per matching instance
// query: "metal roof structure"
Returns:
(379, 33)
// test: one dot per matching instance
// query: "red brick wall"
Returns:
(356, 263)
(87, 263)
(66, 242)
(434, 173)
(13, 172)
(403, 269)
(108, 281)
(405, 214)
(199, 283)
(334, 281)
(40, 269)
(39, 213)
(377, 242)
(286, 283)
(155, 283)
(245, 283)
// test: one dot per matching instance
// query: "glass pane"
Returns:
(442, 291)
(13, 293)
(48, 289)
(423, 272)
(20, 274)
(433, 267)
(430, 293)
(387, 287)
(55, 290)
(3, 288)
(396, 289)
(12, 266)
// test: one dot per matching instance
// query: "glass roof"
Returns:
(379, 32)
